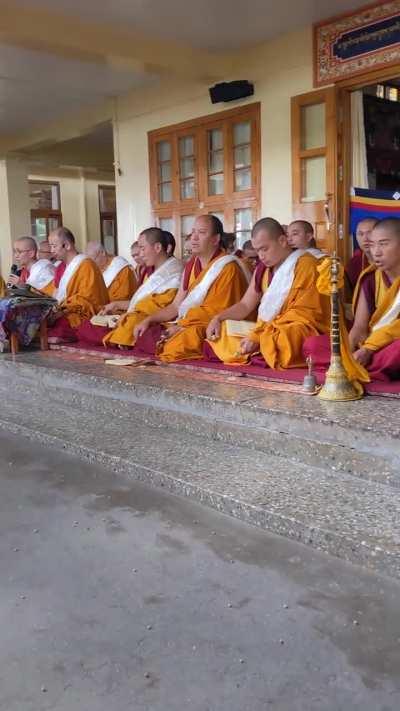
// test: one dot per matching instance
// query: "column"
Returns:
(15, 218)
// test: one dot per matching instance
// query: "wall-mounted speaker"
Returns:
(231, 91)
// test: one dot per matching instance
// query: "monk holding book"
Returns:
(290, 307)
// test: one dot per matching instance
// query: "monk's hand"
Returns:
(110, 308)
(363, 356)
(170, 331)
(247, 346)
(214, 329)
(14, 280)
(141, 328)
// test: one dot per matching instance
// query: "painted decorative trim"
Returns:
(357, 42)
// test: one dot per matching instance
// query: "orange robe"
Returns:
(123, 286)
(386, 334)
(122, 334)
(305, 312)
(86, 293)
(227, 289)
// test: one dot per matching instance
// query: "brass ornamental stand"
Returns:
(337, 386)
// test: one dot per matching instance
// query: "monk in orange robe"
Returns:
(211, 282)
(290, 306)
(300, 234)
(158, 289)
(118, 275)
(375, 336)
(78, 287)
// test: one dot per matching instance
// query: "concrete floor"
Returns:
(116, 597)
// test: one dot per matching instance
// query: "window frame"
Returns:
(202, 202)
(107, 215)
(46, 213)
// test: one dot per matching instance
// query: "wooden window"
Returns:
(45, 206)
(108, 218)
(208, 165)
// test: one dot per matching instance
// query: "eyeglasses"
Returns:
(21, 251)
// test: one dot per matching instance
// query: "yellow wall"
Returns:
(280, 70)
(79, 204)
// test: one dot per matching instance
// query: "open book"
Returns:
(107, 321)
(239, 328)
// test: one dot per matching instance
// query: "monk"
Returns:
(375, 336)
(300, 234)
(38, 273)
(361, 258)
(211, 282)
(229, 242)
(290, 307)
(78, 287)
(118, 276)
(157, 291)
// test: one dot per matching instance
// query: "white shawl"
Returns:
(76, 262)
(168, 276)
(116, 266)
(199, 293)
(274, 298)
(41, 274)
(390, 315)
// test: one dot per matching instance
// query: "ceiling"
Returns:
(93, 150)
(208, 24)
(48, 70)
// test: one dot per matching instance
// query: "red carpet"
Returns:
(294, 375)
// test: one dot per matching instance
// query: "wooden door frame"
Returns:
(344, 89)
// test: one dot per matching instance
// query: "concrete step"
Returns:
(360, 438)
(133, 430)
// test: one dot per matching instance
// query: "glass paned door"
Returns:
(187, 167)
(109, 234)
(242, 156)
(314, 163)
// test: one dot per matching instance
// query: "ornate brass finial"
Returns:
(337, 386)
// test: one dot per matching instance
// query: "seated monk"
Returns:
(300, 234)
(375, 336)
(158, 290)
(290, 307)
(118, 276)
(248, 255)
(78, 287)
(361, 258)
(211, 282)
(38, 273)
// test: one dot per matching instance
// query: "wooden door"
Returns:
(314, 165)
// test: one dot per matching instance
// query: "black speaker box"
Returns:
(231, 91)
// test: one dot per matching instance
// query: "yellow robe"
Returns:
(227, 289)
(86, 293)
(227, 347)
(376, 340)
(123, 286)
(2, 288)
(305, 312)
(122, 334)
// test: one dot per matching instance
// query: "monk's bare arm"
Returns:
(359, 331)
(237, 312)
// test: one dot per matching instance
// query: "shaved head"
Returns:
(268, 224)
(26, 243)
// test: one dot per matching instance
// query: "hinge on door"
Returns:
(340, 231)
(340, 172)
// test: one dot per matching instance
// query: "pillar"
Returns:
(15, 220)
